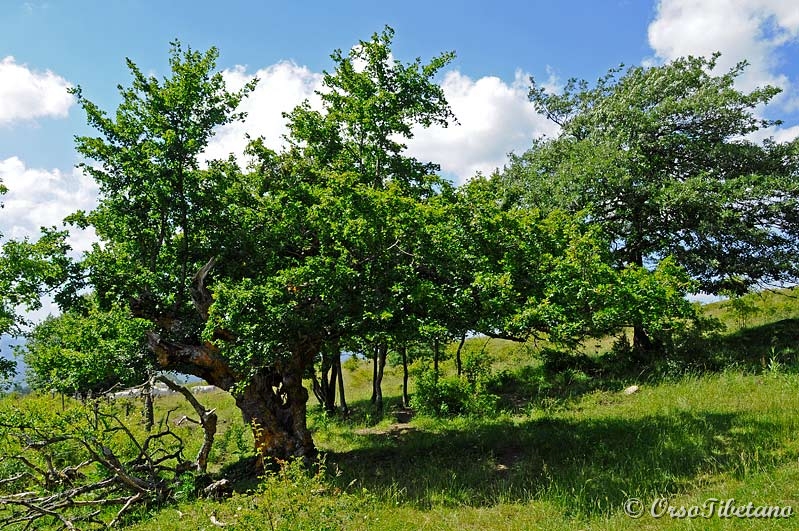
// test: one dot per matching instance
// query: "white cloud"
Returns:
(26, 94)
(752, 30)
(785, 135)
(280, 88)
(553, 84)
(740, 29)
(43, 198)
(494, 118)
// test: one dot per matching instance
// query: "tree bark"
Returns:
(344, 409)
(325, 386)
(317, 389)
(330, 405)
(458, 363)
(404, 352)
(274, 405)
(373, 399)
(380, 361)
(149, 410)
(272, 400)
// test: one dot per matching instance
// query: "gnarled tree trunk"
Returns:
(272, 400)
(274, 405)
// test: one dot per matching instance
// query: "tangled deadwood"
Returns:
(87, 466)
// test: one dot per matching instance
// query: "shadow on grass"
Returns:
(587, 466)
(759, 345)
(751, 349)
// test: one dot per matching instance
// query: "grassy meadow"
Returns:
(559, 451)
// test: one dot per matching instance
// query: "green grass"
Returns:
(560, 456)
(572, 467)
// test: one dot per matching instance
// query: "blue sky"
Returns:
(46, 46)
(85, 42)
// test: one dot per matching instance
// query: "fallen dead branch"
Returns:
(86, 468)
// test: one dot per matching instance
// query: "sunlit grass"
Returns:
(565, 459)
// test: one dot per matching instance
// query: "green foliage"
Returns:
(743, 308)
(339, 218)
(160, 216)
(450, 395)
(235, 441)
(371, 102)
(658, 157)
(553, 275)
(87, 351)
(27, 271)
(186, 487)
(8, 368)
(439, 396)
(557, 361)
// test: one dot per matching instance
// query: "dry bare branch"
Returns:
(74, 495)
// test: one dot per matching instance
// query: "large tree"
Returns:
(664, 159)
(165, 222)
(370, 104)
(247, 277)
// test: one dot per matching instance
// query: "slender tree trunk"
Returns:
(325, 386)
(435, 360)
(405, 401)
(328, 382)
(375, 350)
(149, 410)
(458, 363)
(344, 409)
(325, 379)
(330, 405)
(382, 350)
(317, 389)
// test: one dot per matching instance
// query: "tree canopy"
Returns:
(245, 278)
(664, 159)
(88, 351)
(29, 270)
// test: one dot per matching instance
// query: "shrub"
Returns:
(557, 361)
(448, 396)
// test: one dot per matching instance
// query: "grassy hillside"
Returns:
(571, 466)
(566, 451)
